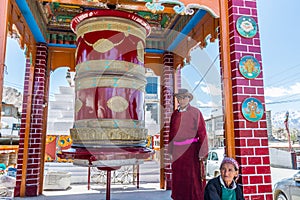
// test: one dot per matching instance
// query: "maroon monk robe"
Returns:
(187, 172)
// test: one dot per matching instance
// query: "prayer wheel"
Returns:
(110, 79)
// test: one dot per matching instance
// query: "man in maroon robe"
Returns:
(188, 146)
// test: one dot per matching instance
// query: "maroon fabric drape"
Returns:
(188, 174)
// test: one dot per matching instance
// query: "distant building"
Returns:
(152, 103)
(215, 131)
(61, 112)
(9, 110)
(61, 109)
(10, 120)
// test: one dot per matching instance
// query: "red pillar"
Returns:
(250, 138)
(167, 106)
(31, 144)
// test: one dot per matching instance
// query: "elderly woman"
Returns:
(225, 186)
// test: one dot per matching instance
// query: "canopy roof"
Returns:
(176, 26)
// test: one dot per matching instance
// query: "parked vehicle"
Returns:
(214, 159)
(288, 188)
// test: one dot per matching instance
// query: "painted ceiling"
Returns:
(162, 15)
(176, 25)
(58, 15)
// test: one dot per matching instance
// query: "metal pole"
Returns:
(286, 122)
(138, 176)
(89, 177)
(108, 176)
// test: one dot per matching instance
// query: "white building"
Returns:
(61, 112)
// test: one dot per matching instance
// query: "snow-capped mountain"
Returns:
(278, 119)
(12, 96)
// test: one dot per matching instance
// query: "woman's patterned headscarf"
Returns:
(231, 161)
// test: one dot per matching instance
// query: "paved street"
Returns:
(280, 173)
(147, 191)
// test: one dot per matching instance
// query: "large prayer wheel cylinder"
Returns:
(110, 79)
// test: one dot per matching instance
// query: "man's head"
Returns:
(183, 97)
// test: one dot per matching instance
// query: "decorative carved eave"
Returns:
(154, 61)
(212, 6)
(121, 4)
(17, 27)
(204, 30)
(207, 27)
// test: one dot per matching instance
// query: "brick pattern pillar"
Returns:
(251, 139)
(167, 105)
(34, 161)
(178, 78)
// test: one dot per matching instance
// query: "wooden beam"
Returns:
(61, 57)
(155, 62)
(26, 36)
(197, 37)
(226, 76)
(3, 38)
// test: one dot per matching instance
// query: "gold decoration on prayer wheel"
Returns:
(110, 79)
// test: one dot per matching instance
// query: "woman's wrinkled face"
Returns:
(183, 101)
(228, 173)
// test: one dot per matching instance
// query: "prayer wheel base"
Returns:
(120, 155)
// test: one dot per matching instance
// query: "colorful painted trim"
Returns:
(108, 123)
(101, 80)
(110, 13)
(110, 66)
(111, 24)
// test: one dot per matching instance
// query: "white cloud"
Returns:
(268, 100)
(206, 104)
(210, 89)
(282, 91)
(275, 91)
(295, 89)
(205, 89)
(213, 90)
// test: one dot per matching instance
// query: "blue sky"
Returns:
(278, 27)
(15, 70)
(280, 52)
(277, 24)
